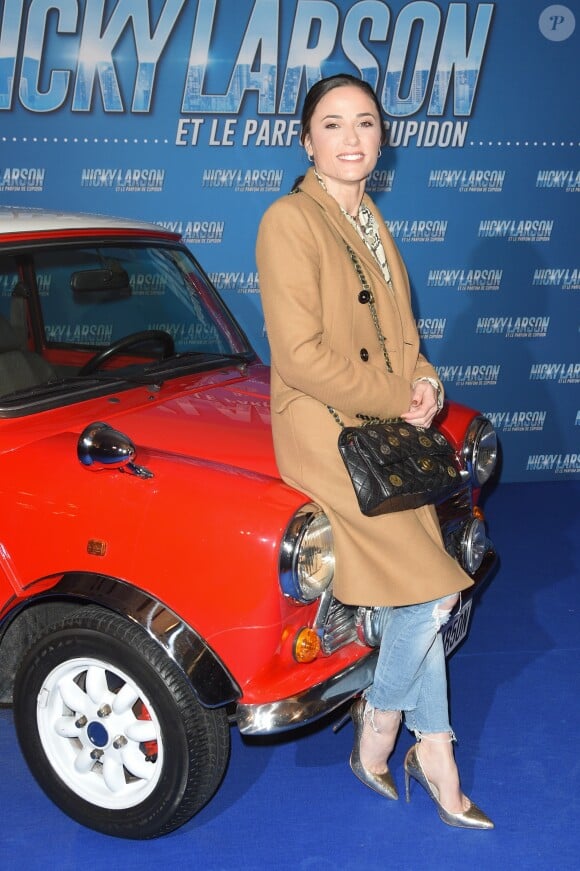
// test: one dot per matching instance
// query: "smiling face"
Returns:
(344, 137)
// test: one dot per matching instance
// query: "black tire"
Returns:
(176, 750)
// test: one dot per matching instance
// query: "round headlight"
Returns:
(480, 450)
(473, 545)
(307, 555)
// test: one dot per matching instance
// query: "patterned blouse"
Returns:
(366, 226)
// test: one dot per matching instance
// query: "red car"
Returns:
(159, 583)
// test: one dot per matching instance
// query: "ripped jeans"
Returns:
(411, 675)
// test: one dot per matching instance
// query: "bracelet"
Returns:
(436, 386)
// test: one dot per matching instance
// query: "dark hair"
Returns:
(323, 86)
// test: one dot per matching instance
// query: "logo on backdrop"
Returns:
(7, 283)
(24, 179)
(515, 230)
(380, 180)
(148, 284)
(470, 375)
(524, 327)
(561, 373)
(235, 282)
(418, 231)
(426, 134)
(85, 334)
(431, 328)
(468, 180)
(198, 333)
(195, 232)
(244, 180)
(563, 179)
(560, 464)
(517, 421)
(465, 279)
(113, 56)
(564, 278)
(44, 283)
(124, 180)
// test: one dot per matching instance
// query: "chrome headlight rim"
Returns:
(309, 520)
(473, 545)
(480, 450)
(369, 622)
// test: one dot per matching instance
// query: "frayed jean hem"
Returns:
(410, 675)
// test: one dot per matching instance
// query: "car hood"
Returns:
(224, 418)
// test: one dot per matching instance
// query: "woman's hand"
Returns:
(423, 406)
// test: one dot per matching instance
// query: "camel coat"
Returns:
(325, 352)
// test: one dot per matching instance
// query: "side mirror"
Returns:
(102, 447)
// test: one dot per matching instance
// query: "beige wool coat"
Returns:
(325, 352)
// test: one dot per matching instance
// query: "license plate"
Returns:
(456, 629)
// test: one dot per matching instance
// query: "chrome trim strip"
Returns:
(310, 705)
(211, 682)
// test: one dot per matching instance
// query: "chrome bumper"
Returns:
(310, 705)
(323, 698)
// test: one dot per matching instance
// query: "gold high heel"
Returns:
(472, 818)
(381, 783)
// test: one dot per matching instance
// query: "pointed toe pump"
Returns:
(381, 783)
(472, 818)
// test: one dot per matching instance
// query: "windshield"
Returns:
(158, 288)
(72, 311)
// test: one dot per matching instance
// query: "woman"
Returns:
(326, 357)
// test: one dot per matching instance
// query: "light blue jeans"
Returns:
(411, 675)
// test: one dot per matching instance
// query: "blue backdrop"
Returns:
(185, 112)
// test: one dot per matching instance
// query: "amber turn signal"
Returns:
(95, 547)
(306, 645)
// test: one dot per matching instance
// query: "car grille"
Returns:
(335, 623)
(339, 624)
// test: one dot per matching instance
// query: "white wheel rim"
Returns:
(92, 728)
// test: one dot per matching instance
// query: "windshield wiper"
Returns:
(74, 383)
(187, 358)
(137, 374)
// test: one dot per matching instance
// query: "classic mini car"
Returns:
(159, 583)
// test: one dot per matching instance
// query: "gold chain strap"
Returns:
(374, 315)
(366, 286)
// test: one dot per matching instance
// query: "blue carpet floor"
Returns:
(292, 803)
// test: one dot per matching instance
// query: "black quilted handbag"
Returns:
(395, 466)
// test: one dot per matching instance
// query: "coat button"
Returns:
(364, 354)
(364, 297)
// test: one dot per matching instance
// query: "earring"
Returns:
(310, 157)
(380, 152)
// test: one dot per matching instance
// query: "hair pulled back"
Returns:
(323, 86)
